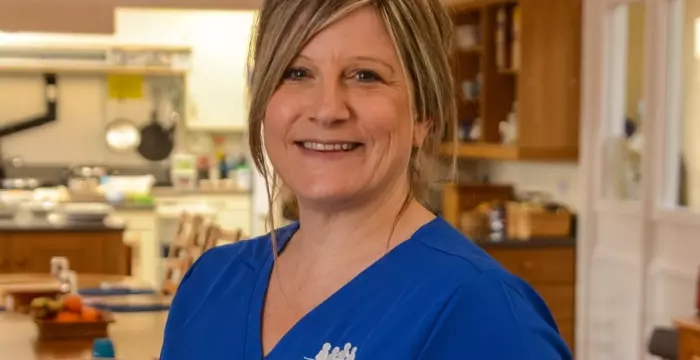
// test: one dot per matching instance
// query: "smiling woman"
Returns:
(349, 98)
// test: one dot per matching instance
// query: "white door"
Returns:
(639, 235)
(612, 254)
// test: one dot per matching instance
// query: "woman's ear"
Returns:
(420, 132)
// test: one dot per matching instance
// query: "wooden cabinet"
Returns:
(57, 16)
(551, 271)
(688, 338)
(100, 252)
(532, 71)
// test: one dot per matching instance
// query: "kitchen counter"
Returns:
(171, 191)
(29, 244)
(58, 225)
(528, 244)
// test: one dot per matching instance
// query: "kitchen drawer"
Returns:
(135, 221)
(567, 331)
(539, 265)
(560, 299)
(689, 345)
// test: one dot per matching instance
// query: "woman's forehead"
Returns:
(361, 35)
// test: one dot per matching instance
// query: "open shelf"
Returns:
(500, 116)
(494, 151)
(71, 67)
(92, 58)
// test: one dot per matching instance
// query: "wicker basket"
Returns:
(52, 330)
(474, 225)
(527, 221)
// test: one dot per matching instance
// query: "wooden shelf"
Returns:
(527, 70)
(494, 151)
(478, 4)
(508, 71)
(71, 67)
(472, 50)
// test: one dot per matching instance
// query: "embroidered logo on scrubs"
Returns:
(347, 353)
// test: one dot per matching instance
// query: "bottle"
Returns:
(243, 176)
(103, 348)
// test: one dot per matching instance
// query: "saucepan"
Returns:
(122, 135)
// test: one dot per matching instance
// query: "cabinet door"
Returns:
(548, 93)
(5, 253)
(32, 251)
(57, 16)
(233, 219)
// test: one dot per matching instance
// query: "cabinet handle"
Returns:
(528, 265)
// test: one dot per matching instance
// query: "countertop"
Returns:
(526, 244)
(172, 191)
(57, 224)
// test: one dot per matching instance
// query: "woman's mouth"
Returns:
(328, 146)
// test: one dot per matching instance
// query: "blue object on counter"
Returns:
(103, 348)
(132, 308)
(115, 292)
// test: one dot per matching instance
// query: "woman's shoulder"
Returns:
(446, 249)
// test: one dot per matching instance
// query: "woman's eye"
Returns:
(295, 74)
(366, 76)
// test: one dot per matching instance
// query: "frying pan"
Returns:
(157, 141)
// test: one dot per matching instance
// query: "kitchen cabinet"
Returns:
(550, 268)
(141, 235)
(532, 72)
(219, 40)
(30, 251)
(233, 210)
(57, 16)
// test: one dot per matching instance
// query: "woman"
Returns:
(353, 95)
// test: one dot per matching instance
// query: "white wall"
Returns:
(560, 180)
(77, 135)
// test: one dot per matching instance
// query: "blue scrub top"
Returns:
(435, 296)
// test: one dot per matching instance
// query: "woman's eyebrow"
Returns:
(375, 60)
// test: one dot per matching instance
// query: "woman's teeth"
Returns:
(329, 147)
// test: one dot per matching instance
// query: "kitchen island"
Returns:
(27, 246)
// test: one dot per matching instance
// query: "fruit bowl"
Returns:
(61, 330)
(67, 317)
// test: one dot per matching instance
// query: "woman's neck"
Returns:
(368, 225)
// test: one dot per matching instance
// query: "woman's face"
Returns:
(339, 127)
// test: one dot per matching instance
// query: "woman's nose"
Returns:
(330, 105)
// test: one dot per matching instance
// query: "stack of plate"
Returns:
(86, 212)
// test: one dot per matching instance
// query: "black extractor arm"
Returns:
(51, 93)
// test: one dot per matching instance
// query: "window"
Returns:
(683, 102)
(625, 109)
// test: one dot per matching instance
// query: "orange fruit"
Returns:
(73, 303)
(66, 316)
(89, 313)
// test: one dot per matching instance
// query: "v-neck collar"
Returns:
(253, 342)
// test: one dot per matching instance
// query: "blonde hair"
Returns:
(422, 34)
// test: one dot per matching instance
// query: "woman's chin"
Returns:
(330, 198)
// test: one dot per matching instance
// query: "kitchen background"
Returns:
(630, 266)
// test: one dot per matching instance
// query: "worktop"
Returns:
(43, 225)
(549, 266)
(528, 244)
(29, 246)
